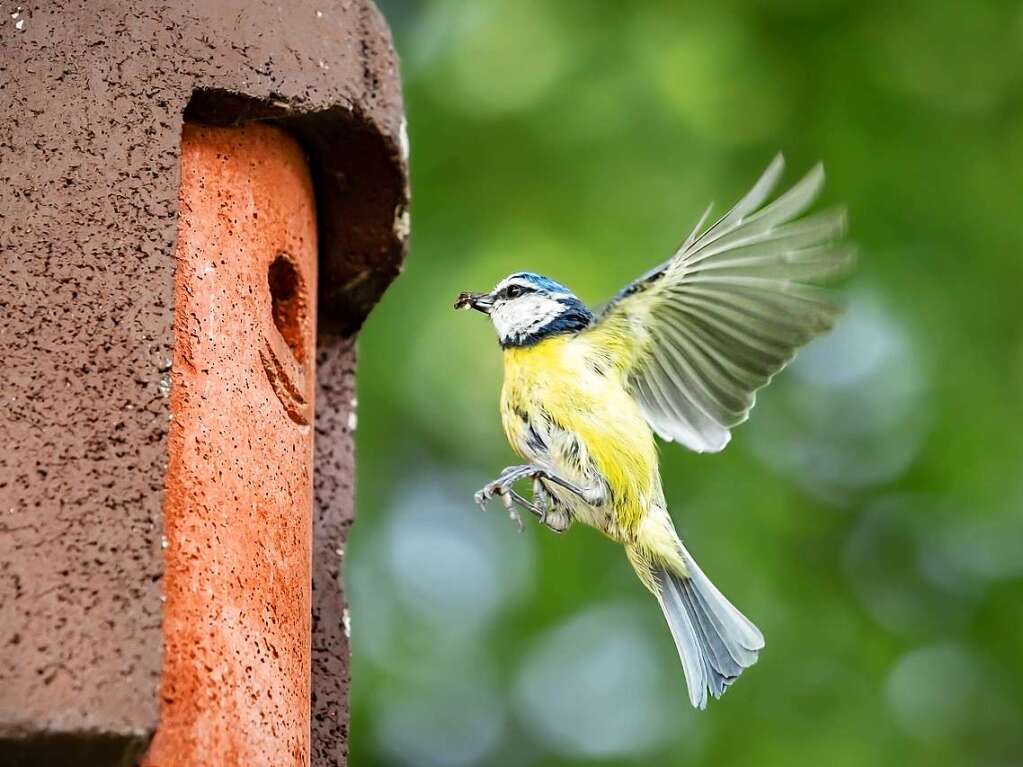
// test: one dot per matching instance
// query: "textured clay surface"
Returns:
(239, 498)
(93, 100)
(334, 488)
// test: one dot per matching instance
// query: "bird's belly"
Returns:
(584, 427)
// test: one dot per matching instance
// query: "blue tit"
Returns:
(679, 353)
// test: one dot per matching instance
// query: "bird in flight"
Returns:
(679, 353)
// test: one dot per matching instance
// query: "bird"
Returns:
(679, 353)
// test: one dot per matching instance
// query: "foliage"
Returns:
(869, 518)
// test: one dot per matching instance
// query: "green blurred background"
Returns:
(869, 518)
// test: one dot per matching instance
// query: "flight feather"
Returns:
(698, 335)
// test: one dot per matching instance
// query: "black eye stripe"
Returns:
(516, 290)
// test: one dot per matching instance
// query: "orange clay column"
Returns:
(235, 688)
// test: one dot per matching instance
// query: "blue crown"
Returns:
(540, 282)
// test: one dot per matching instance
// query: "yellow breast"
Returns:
(566, 382)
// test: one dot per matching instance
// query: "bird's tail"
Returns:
(715, 641)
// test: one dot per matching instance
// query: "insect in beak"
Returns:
(481, 302)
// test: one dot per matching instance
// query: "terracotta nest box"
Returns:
(199, 204)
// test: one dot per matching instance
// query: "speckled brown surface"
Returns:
(334, 490)
(235, 689)
(93, 103)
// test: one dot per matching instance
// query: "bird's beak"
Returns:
(481, 302)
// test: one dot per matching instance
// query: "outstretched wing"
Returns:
(700, 334)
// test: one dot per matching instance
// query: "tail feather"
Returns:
(715, 641)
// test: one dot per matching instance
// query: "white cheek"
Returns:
(524, 314)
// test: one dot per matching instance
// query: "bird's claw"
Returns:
(502, 488)
(488, 491)
(513, 514)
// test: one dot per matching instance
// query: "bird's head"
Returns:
(527, 308)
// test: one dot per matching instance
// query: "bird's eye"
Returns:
(514, 291)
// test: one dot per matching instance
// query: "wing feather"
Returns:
(701, 333)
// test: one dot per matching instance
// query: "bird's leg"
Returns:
(502, 486)
(542, 500)
(554, 516)
(513, 474)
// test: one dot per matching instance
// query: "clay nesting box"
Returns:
(199, 204)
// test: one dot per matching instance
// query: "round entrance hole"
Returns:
(287, 302)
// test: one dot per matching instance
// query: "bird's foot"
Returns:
(509, 498)
(502, 487)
